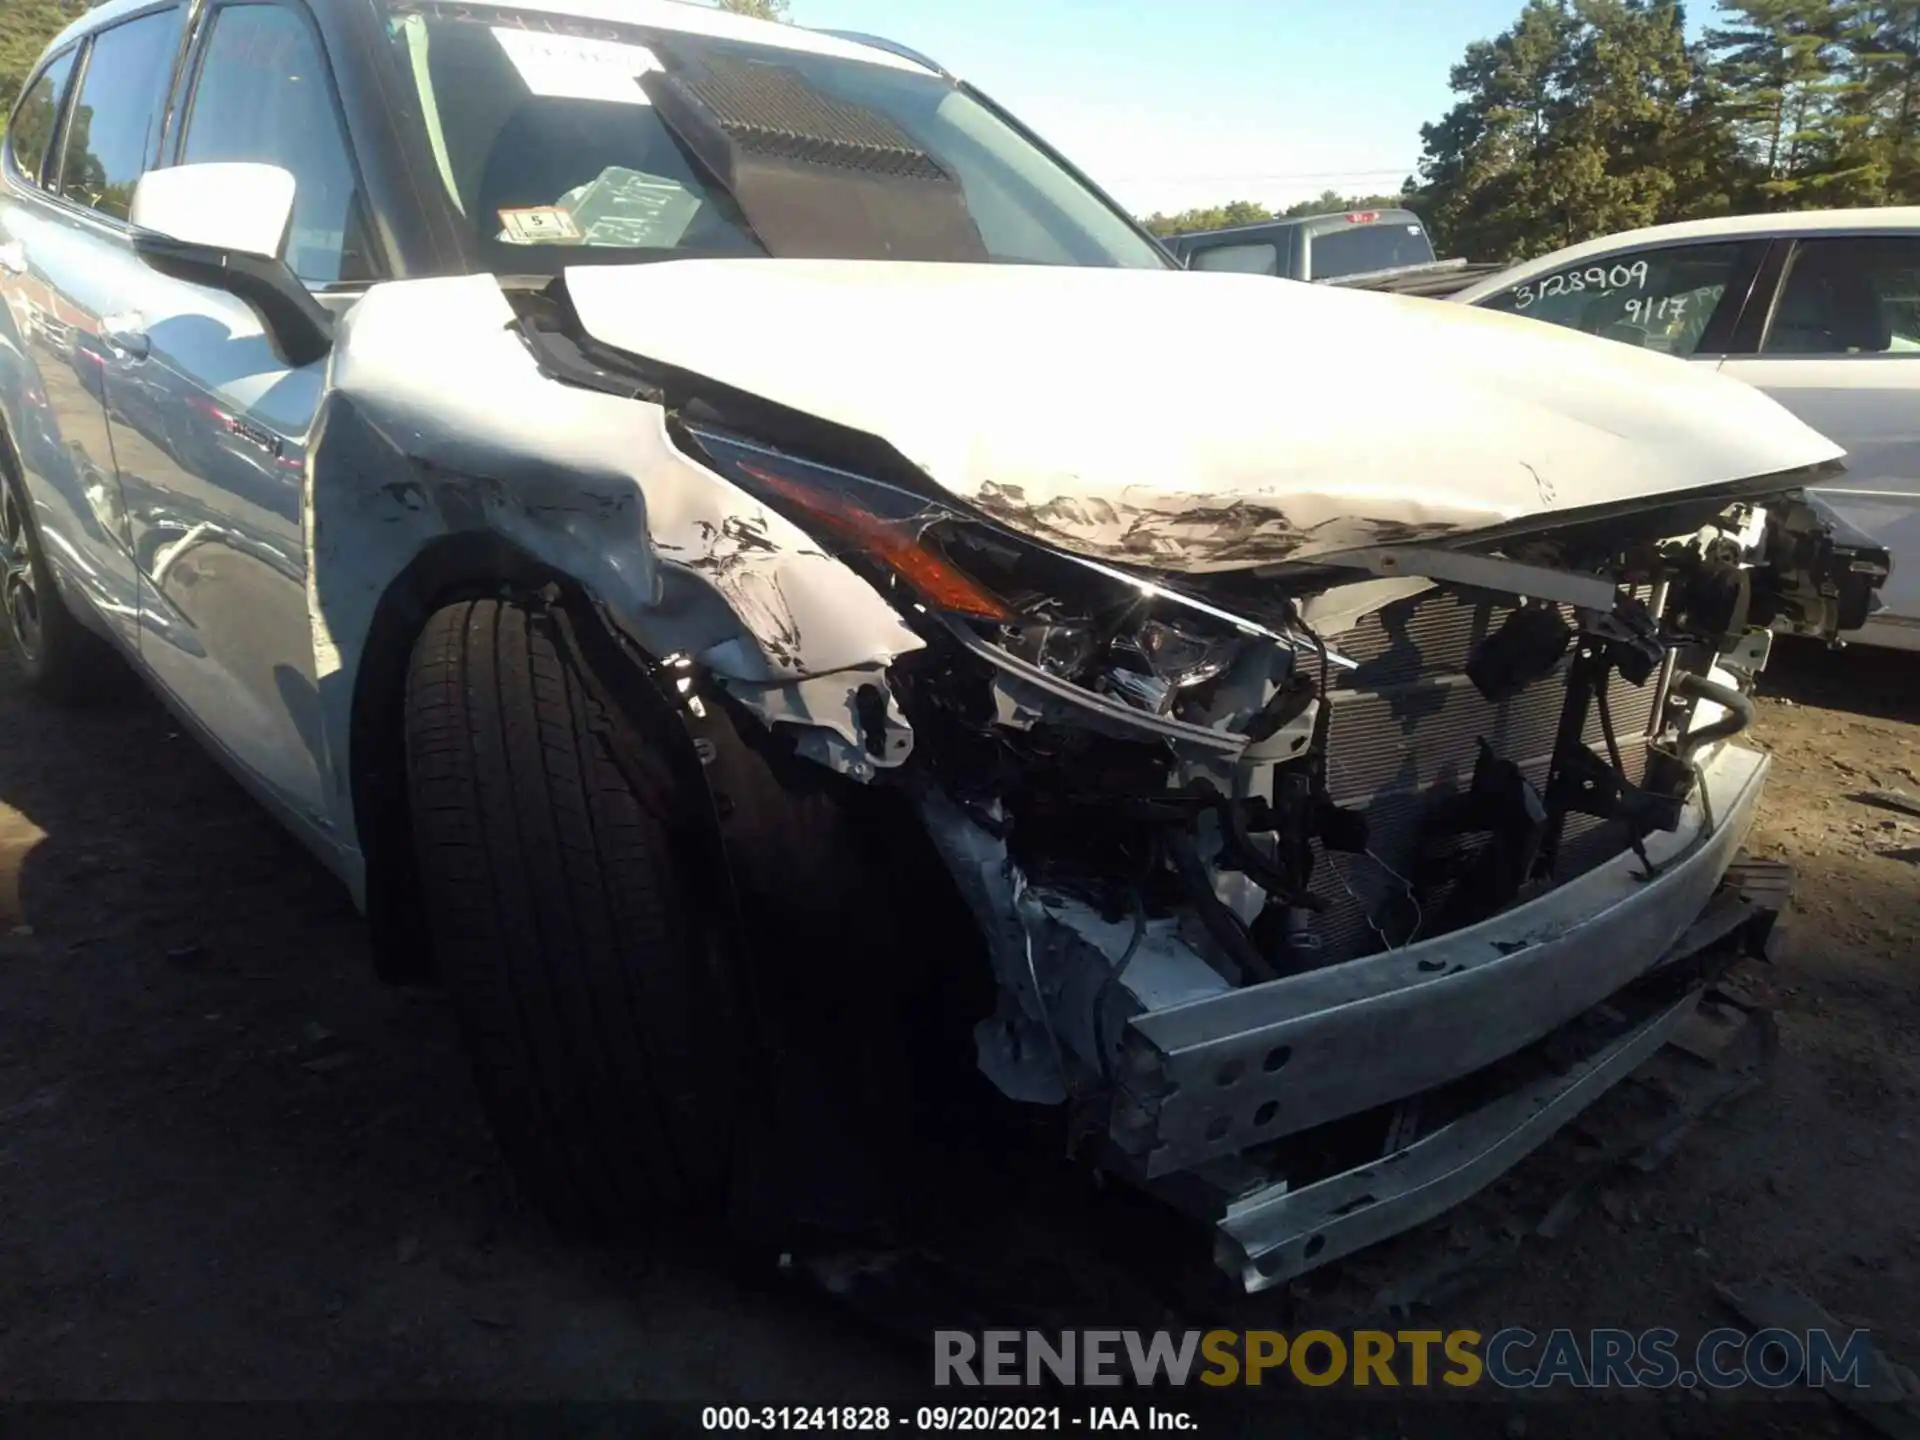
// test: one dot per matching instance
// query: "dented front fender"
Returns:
(438, 422)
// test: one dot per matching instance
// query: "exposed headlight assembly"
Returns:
(1113, 640)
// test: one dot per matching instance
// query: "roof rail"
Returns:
(892, 47)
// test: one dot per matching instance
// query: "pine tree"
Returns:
(1586, 117)
(1489, 163)
(1784, 66)
(1885, 64)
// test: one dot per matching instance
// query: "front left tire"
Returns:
(589, 993)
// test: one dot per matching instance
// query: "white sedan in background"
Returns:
(1821, 310)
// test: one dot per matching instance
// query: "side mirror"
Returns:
(245, 209)
(224, 226)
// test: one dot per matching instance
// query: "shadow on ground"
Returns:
(236, 1166)
(233, 1165)
(1860, 679)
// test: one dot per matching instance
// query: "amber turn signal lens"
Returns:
(938, 582)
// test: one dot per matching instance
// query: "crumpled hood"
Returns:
(1201, 421)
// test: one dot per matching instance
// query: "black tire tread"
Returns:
(559, 922)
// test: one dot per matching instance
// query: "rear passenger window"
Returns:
(264, 96)
(1359, 249)
(1853, 296)
(116, 116)
(31, 133)
(1261, 259)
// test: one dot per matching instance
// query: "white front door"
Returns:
(1842, 351)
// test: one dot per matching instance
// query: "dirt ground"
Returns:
(235, 1166)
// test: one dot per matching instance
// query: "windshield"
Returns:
(552, 137)
(1357, 249)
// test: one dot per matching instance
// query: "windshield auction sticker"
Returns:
(539, 225)
(575, 67)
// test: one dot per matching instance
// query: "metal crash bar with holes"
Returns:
(1278, 1234)
(1215, 1076)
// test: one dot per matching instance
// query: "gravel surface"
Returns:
(233, 1165)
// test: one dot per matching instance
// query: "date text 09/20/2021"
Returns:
(1031, 1419)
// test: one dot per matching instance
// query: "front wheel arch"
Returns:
(894, 1014)
(451, 569)
(72, 661)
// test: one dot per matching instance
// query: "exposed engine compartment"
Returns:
(1153, 794)
(1275, 862)
(1142, 748)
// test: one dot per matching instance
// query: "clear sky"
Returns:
(1177, 103)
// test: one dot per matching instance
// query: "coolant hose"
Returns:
(1740, 712)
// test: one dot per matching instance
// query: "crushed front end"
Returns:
(1318, 884)
(1322, 894)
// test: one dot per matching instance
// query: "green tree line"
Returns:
(1583, 117)
(25, 28)
(1246, 212)
(1590, 116)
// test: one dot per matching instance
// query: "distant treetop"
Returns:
(1246, 212)
(25, 28)
(759, 9)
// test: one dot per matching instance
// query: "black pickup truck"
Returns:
(1359, 249)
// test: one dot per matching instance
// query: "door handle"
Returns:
(13, 258)
(126, 336)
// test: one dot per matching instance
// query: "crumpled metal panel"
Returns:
(437, 423)
(1327, 420)
(1278, 1058)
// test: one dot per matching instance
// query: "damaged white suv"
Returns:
(686, 517)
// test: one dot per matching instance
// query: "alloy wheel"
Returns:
(17, 594)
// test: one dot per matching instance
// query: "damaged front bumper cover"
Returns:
(1211, 1079)
(1100, 760)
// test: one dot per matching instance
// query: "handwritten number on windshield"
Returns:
(1597, 278)
(1645, 312)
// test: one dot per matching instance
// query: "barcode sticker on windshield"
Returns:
(573, 67)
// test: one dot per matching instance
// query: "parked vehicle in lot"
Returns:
(1819, 309)
(665, 506)
(1365, 249)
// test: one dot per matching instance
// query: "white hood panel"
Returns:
(1200, 421)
